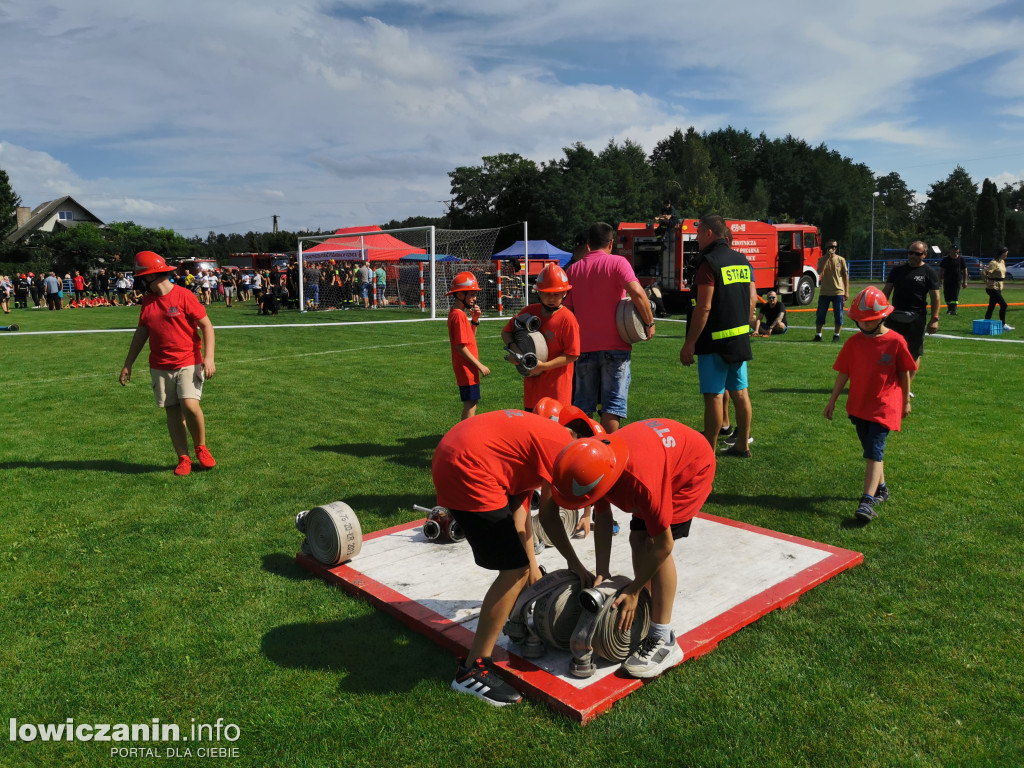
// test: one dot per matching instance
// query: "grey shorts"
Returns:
(171, 387)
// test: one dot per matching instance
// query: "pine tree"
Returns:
(9, 203)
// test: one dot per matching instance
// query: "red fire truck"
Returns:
(783, 257)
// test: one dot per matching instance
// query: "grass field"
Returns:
(128, 594)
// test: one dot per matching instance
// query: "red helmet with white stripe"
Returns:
(552, 279)
(464, 281)
(870, 304)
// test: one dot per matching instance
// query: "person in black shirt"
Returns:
(774, 315)
(953, 276)
(908, 288)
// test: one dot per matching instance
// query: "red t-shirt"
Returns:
(668, 475)
(461, 332)
(484, 460)
(874, 364)
(172, 320)
(561, 331)
(79, 283)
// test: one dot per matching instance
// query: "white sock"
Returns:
(663, 631)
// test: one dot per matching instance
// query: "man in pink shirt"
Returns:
(600, 281)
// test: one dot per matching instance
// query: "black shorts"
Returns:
(911, 327)
(679, 530)
(493, 537)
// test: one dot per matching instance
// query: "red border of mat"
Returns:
(585, 704)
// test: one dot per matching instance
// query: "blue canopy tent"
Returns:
(541, 250)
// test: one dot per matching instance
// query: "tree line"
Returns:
(725, 171)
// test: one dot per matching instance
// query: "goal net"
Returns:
(409, 268)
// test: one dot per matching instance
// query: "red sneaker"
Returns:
(206, 461)
(184, 466)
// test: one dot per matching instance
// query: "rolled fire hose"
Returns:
(569, 519)
(530, 345)
(627, 320)
(545, 614)
(596, 630)
(333, 533)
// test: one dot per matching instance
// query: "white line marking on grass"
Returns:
(234, 327)
(333, 352)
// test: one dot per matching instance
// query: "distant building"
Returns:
(63, 213)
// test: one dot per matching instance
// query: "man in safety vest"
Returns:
(719, 331)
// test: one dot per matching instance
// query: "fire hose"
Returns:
(528, 346)
(333, 533)
(556, 613)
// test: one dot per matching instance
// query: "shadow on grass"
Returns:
(353, 649)
(97, 465)
(812, 504)
(284, 565)
(410, 452)
(799, 391)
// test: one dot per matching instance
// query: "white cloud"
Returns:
(195, 114)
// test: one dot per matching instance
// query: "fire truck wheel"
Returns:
(804, 294)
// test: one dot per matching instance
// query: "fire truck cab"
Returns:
(783, 257)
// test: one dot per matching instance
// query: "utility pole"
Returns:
(275, 223)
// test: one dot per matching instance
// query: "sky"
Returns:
(214, 116)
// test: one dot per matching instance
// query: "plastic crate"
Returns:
(987, 328)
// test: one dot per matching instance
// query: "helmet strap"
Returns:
(876, 332)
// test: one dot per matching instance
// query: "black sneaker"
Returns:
(480, 680)
(817, 337)
(835, 337)
(866, 509)
(882, 493)
(726, 431)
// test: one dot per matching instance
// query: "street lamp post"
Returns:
(871, 255)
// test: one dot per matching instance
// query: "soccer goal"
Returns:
(409, 268)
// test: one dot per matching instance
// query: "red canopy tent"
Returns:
(382, 247)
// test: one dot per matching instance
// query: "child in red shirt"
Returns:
(463, 320)
(661, 472)
(485, 469)
(561, 331)
(171, 320)
(878, 364)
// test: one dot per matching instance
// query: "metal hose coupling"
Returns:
(545, 614)
(597, 631)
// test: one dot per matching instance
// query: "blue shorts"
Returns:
(469, 393)
(602, 377)
(364, 290)
(715, 375)
(824, 302)
(872, 437)
(313, 293)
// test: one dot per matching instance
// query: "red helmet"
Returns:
(571, 417)
(870, 304)
(586, 470)
(464, 281)
(148, 263)
(552, 279)
(548, 408)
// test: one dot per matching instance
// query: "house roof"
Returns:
(44, 211)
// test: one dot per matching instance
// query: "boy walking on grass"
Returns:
(878, 364)
(561, 331)
(463, 320)
(171, 320)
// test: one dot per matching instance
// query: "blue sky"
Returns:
(214, 116)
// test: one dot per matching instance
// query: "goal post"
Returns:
(417, 265)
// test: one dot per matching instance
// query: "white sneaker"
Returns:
(653, 657)
(1007, 327)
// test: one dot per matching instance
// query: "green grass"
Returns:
(127, 593)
